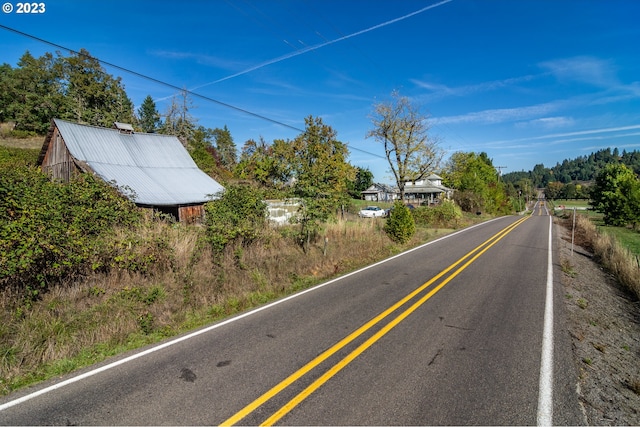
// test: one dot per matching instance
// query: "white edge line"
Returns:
(545, 392)
(220, 324)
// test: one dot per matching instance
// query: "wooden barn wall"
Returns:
(57, 160)
(191, 214)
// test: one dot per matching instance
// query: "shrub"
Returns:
(400, 226)
(13, 157)
(445, 214)
(240, 214)
(49, 230)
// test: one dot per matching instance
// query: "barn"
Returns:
(156, 170)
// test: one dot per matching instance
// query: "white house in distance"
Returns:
(381, 193)
(158, 168)
(428, 190)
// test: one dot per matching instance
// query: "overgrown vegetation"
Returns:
(86, 275)
(239, 215)
(446, 214)
(156, 278)
(50, 231)
(620, 260)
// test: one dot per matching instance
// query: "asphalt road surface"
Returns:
(466, 330)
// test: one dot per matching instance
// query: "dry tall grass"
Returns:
(166, 282)
(613, 256)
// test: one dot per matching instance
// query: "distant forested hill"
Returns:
(583, 168)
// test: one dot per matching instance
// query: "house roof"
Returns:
(156, 167)
(426, 188)
(377, 188)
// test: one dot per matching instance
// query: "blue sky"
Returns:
(525, 81)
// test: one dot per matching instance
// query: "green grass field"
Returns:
(627, 237)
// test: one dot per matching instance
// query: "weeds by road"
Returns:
(604, 325)
(167, 282)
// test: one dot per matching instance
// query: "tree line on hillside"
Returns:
(580, 170)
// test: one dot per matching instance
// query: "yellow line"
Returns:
(345, 341)
(364, 346)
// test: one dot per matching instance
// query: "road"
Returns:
(465, 330)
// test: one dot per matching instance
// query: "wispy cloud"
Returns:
(209, 60)
(583, 69)
(321, 45)
(500, 115)
(583, 135)
(438, 91)
(548, 122)
(515, 146)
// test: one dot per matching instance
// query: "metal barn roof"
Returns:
(156, 167)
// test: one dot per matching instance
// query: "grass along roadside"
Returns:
(614, 247)
(104, 314)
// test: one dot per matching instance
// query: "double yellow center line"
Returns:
(470, 257)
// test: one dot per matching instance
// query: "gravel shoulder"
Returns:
(604, 325)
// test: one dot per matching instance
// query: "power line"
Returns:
(152, 79)
(172, 86)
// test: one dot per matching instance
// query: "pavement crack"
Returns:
(435, 356)
(459, 327)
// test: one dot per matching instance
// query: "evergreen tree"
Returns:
(400, 226)
(33, 93)
(364, 180)
(225, 146)
(92, 96)
(148, 116)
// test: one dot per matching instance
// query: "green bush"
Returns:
(50, 230)
(14, 157)
(400, 226)
(240, 214)
(443, 215)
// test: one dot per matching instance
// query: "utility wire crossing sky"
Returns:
(527, 81)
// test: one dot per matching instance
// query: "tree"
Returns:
(93, 96)
(259, 163)
(7, 75)
(178, 120)
(400, 226)
(225, 146)
(33, 93)
(76, 88)
(316, 163)
(364, 180)
(553, 190)
(616, 194)
(148, 115)
(476, 183)
(410, 150)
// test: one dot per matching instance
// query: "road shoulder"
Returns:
(604, 325)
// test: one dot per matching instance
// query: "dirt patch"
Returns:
(604, 324)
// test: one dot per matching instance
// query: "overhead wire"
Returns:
(170, 85)
(152, 79)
